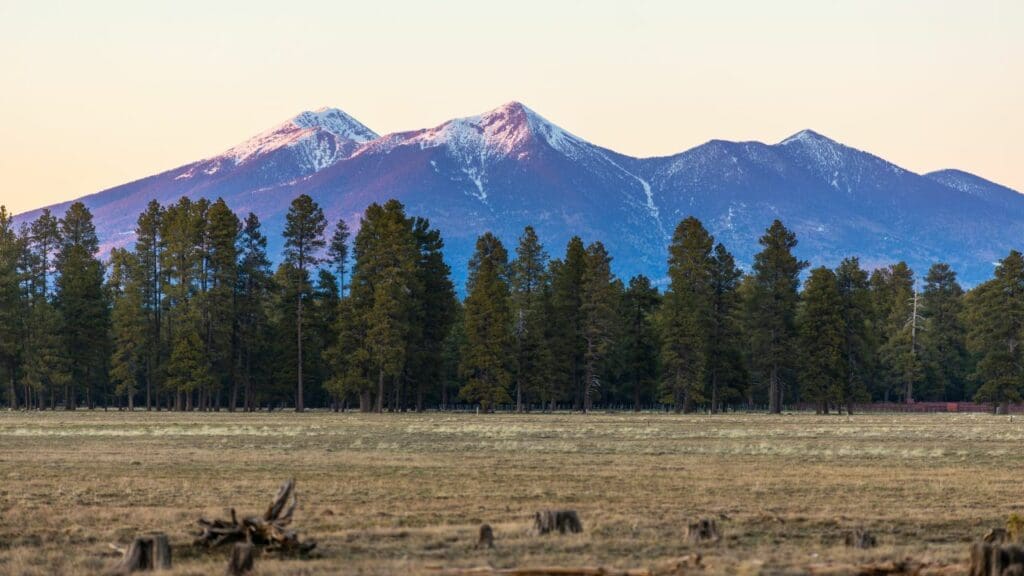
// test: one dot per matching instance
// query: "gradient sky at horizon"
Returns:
(99, 93)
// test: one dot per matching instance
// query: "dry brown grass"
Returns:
(405, 494)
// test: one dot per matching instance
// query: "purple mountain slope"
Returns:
(510, 167)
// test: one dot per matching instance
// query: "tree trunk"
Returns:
(299, 404)
(773, 392)
(13, 391)
(714, 392)
(380, 390)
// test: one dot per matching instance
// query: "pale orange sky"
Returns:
(99, 93)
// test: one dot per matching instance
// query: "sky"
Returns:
(99, 93)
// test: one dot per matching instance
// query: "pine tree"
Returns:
(640, 338)
(337, 253)
(489, 345)
(821, 340)
(183, 277)
(128, 324)
(724, 356)
(82, 303)
(10, 304)
(148, 254)
(686, 314)
(996, 317)
(383, 283)
(943, 347)
(303, 234)
(566, 335)
(432, 311)
(530, 285)
(772, 310)
(858, 337)
(44, 242)
(598, 307)
(901, 366)
(221, 232)
(254, 285)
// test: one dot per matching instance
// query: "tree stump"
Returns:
(561, 521)
(996, 560)
(241, 562)
(861, 539)
(702, 531)
(486, 539)
(149, 552)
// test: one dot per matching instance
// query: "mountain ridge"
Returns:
(510, 166)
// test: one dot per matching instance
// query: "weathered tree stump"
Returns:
(861, 539)
(996, 560)
(996, 536)
(241, 561)
(149, 552)
(702, 531)
(486, 539)
(561, 521)
(269, 532)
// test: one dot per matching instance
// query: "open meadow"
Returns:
(406, 493)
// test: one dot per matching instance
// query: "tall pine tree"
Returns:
(487, 352)
(303, 241)
(772, 310)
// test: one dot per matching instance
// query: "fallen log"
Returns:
(269, 532)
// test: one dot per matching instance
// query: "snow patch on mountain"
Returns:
(319, 138)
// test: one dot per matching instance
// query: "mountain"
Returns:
(284, 154)
(510, 167)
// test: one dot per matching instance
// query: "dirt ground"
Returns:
(406, 493)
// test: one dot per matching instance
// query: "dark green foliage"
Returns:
(686, 315)
(771, 311)
(337, 253)
(899, 321)
(566, 336)
(640, 339)
(488, 352)
(303, 241)
(11, 311)
(943, 345)
(82, 304)
(996, 319)
(251, 314)
(598, 307)
(531, 291)
(129, 327)
(821, 340)
(725, 366)
(384, 282)
(859, 346)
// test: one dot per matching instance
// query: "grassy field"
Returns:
(405, 494)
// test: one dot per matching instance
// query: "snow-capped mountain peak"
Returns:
(320, 137)
(336, 122)
(808, 137)
(508, 130)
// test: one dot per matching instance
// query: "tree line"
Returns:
(195, 317)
